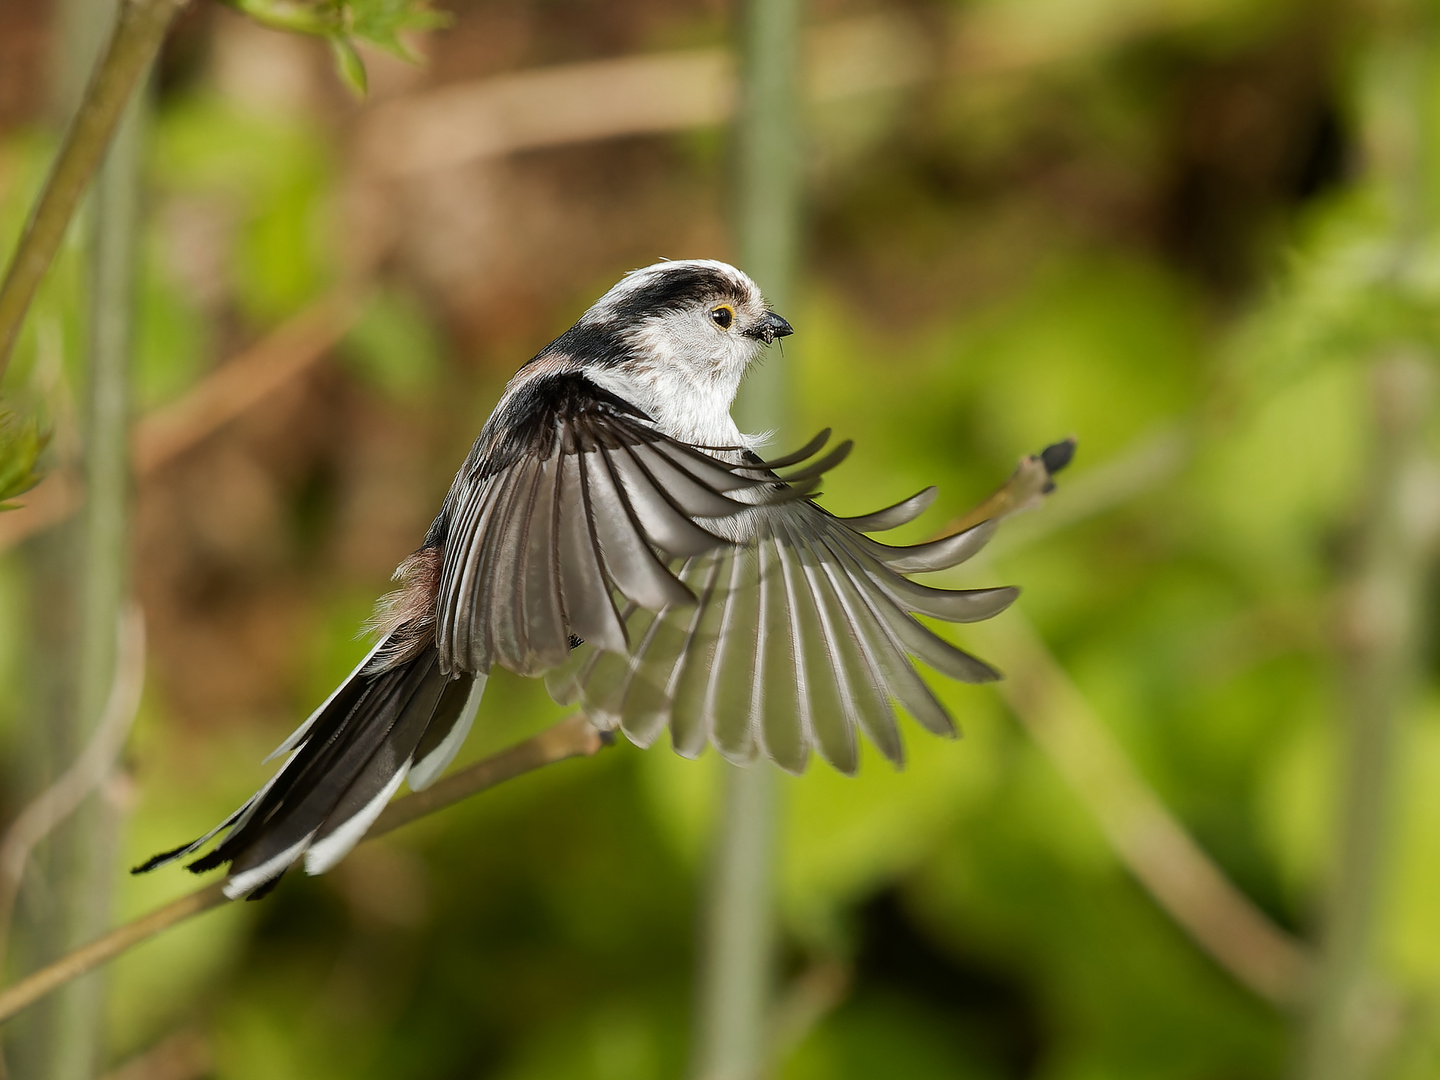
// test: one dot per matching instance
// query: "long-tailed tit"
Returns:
(614, 531)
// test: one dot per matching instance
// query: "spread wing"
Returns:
(710, 597)
(582, 501)
(801, 637)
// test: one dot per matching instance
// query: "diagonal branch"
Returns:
(572, 737)
(1157, 849)
(238, 384)
(140, 27)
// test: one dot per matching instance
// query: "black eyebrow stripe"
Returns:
(673, 288)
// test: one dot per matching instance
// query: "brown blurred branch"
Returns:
(677, 91)
(636, 95)
(572, 737)
(1144, 466)
(1147, 838)
(234, 387)
(57, 802)
(139, 29)
(52, 501)
(244, 381)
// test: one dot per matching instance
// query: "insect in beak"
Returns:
(769, 328)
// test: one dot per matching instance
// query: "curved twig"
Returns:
(57, 802)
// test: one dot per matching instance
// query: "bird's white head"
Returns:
(682, 335)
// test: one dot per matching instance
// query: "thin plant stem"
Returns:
(572, 737)
(1353, 1017)
(139, 31)
(90, 840)
(736, 975)
(735, 983)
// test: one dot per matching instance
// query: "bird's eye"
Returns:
(723, 316)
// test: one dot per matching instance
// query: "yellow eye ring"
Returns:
(722, 316)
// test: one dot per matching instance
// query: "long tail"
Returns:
(343, 765)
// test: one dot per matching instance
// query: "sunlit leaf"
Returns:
(349, 65)
(20, 445)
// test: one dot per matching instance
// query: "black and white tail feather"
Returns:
(709, 593)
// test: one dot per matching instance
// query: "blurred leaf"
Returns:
(346, 23)
(21, 443)
(350, 66)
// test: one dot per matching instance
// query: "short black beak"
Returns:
(770, 327)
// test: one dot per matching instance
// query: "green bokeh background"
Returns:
(1182, 230)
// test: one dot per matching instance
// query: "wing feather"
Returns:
(809, 450)
(589, 610)
(833, 715)
(872, 706)
(606, 675)
(547, 639)
(501, 611)
(902, 513)
(667, 525)
(688, 727)
(939, 554)
(727, 709)
(629, 559)
(661, 659)
(781, 695)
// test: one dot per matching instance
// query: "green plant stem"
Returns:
(572, 737)
(87, 883)
(736, 974)
(735, 984)
(1352, 1017)
(134, 43)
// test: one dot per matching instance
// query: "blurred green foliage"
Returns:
(996, 262)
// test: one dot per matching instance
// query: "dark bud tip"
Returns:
(1057, 455)
(607, 738)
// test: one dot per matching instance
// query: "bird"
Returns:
(613, 531)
